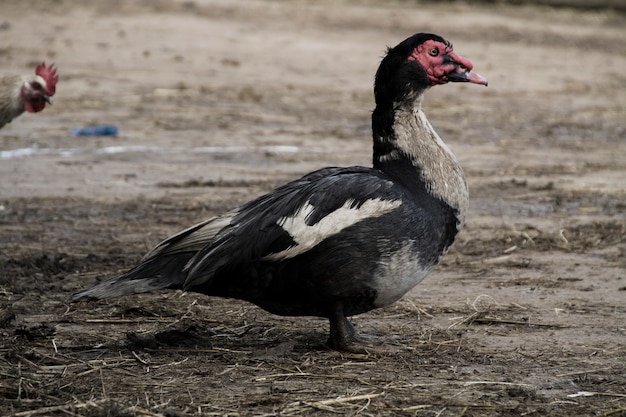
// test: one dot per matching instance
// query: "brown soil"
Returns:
(219, 101)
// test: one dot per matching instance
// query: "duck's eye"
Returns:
(434, 52)
(37, 86)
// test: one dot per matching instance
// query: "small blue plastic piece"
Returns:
(105, 130)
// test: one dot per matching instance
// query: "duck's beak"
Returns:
(463, 74)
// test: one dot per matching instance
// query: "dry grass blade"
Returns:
(40, 411)
(510, 384)
(617, 412)
(69, 408)
(330, 405)
(142, 320)
(495, 320)
(590, 371)
(342, 400)
(594, 393)
(416, 407)
(483, 305)
(467, 320)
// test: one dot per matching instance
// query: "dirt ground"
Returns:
(220, 101)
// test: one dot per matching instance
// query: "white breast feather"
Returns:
(397, 274)
(306, 237)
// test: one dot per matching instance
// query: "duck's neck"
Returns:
(407, 148)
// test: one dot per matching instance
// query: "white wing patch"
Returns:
(306, 237)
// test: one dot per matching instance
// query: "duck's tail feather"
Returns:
(153, 274)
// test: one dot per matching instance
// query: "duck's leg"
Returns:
(344, 337)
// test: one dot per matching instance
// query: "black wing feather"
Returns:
(254, 232)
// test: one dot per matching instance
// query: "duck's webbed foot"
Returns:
(343, 336)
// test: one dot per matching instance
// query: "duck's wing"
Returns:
(294, 218)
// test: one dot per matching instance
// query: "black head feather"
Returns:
(396, 76)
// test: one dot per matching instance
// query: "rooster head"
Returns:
(38, 91)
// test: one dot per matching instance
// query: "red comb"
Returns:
(49, 74)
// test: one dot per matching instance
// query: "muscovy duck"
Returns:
(339, 241)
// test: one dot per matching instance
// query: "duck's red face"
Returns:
(443, 65)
